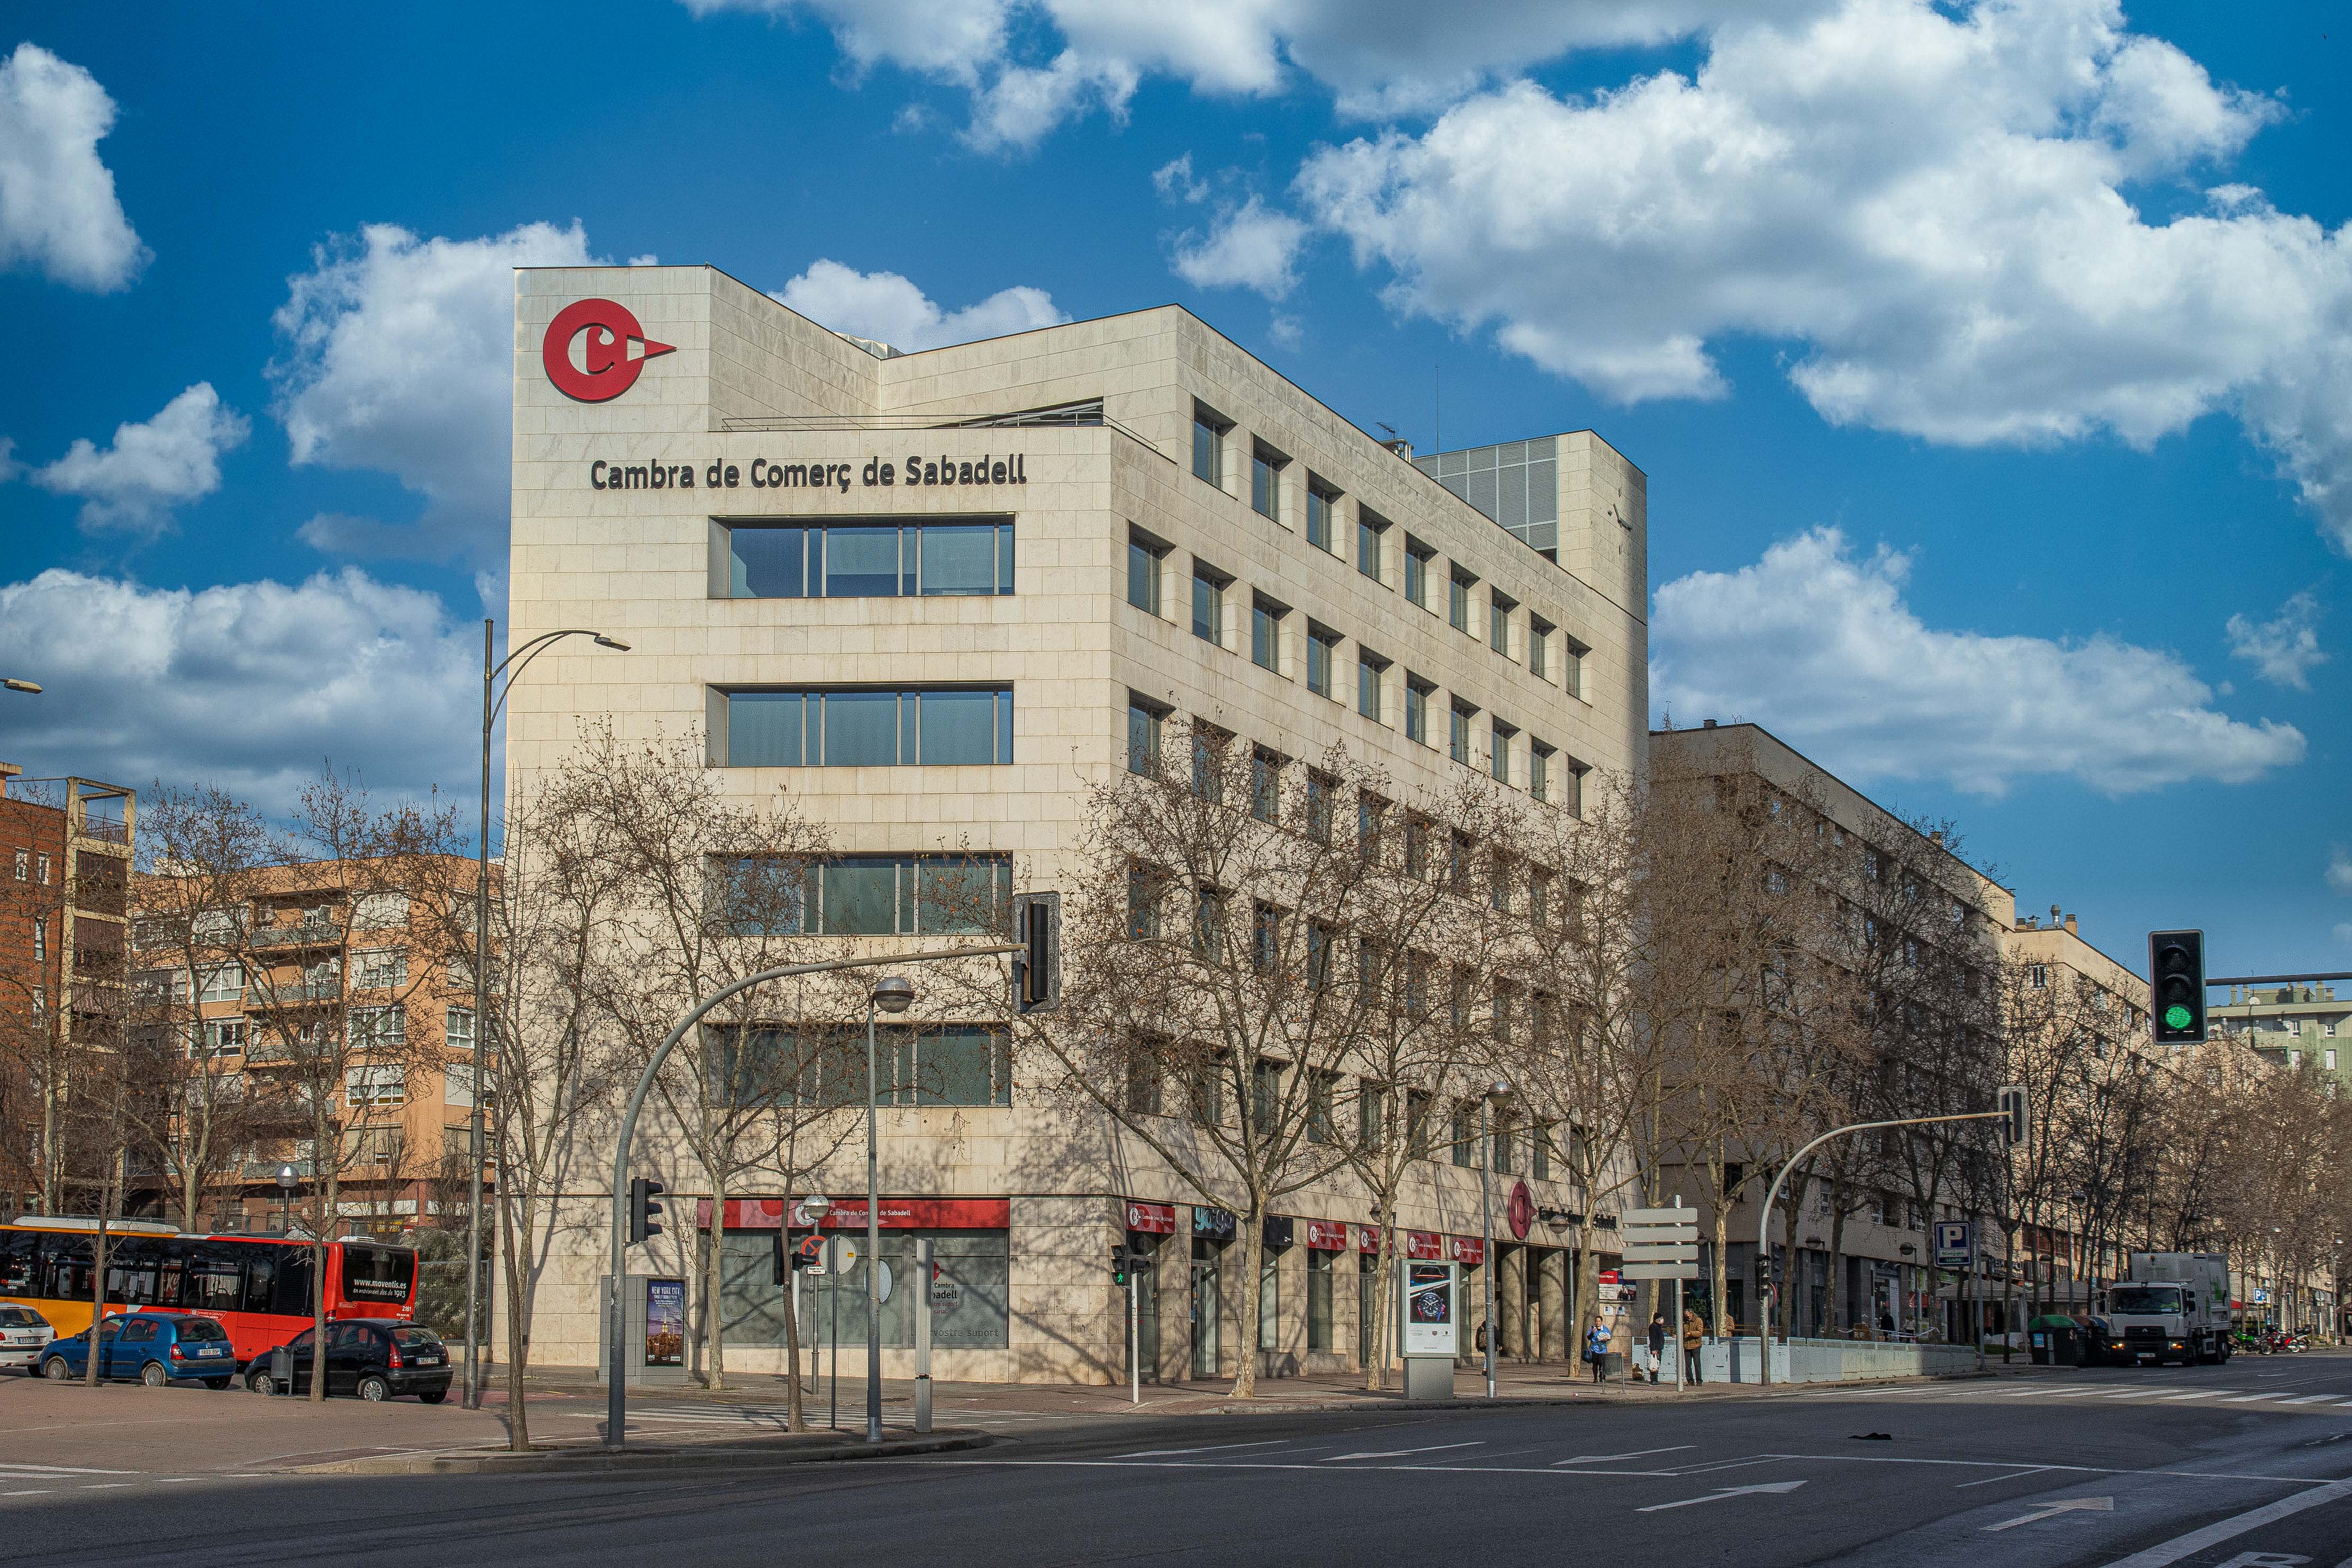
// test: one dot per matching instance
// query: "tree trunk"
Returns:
(1253, 1262)
(713, 1270)
(1837, 1251)
(518, 1317)
(1376, 1370)
(97, 1289)
(795, 1420)
(331, 1202)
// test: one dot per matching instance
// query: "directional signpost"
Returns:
(1663, 1244)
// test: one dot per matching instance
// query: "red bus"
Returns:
(260, 1288)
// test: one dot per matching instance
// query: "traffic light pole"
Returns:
(1768, 1290)
(616, 1396)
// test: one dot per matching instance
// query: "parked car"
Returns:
(23, 1335)
(157, 1348)
(373, 1358)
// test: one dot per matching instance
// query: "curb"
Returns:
(1509, 1402)
(715, 1455)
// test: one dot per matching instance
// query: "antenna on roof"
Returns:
(1395, 442)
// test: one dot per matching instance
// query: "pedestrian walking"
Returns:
(1694, 1336)
(1657, 1343)
(1596, 1351)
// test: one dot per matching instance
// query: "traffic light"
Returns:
(643, 1209)
(2175, 972)
(1126, 1263)
(2016, 1117)
(1037, 967)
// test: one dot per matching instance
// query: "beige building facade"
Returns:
(937, 596)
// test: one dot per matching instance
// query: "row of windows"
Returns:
(915, 1064)
(868, 726)
(928, 559)
(1508, 631)
(866, 895)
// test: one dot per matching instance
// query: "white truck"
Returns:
(2175, 1306)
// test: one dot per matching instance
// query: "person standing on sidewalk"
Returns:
(1657, 1343)
(1596, 1351)
(1694, 1336)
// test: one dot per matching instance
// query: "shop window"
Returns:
(1319, 1300)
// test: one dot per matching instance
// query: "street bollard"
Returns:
(922, 1402)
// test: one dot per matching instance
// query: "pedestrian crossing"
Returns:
(2282, 1399)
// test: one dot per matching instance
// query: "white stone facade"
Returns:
(747, 384)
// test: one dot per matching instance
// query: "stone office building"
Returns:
(934, 591)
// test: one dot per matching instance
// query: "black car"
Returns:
(375, 1358)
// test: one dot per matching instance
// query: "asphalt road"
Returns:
(2247, 1465)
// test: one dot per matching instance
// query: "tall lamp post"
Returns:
(1496, 1093)
(893, 994)
(485, 1051)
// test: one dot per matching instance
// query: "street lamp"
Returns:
(1496, 1093)
(892, 994)
(30, 688)
(485, 1050)
(285, 1199)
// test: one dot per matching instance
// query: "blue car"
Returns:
(157, 1348)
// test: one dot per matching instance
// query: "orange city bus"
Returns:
(259, 1288)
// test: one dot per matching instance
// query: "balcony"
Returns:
(267, 1170)
(301, 934)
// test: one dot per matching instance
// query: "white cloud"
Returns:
(247, 686)
(1248, 246)
(888, 307)
(2339, 870)
(2285, 648)
(1174, 181)
(400, 357)
(173, 458)
(1820, 646)
(1933, 206)
(59, 211)
(1030, 65)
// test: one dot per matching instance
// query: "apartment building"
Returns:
(66, 848)
(2292, 1024)
(283, 982)
(1904, 901)
(939, 594)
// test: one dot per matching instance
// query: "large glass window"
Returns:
(1209, 447)
(1457, 742)
(1498, 623)
(1501, 762)
(1265, 635)
(1370, 531)
(1369, 668)
(1417, 557)
(1265, 483)
(870, 560)
(914, 1064)
(866, 895)
(1416, 708)
(1319, 1300)
(1322, 515)
(1143, 726)
(1209, 605)
(861, 726)
(1457, 599)
(1322, 647)
(1143, 561)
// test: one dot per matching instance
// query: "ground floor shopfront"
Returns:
(1022, 1289)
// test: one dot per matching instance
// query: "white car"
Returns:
(23, 1333)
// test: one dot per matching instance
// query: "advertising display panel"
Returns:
(1433, 1309)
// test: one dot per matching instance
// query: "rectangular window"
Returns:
(1266, 482)
(1266, 785)
(226, 984)
(1457, 742)
(379, 968)
(1417, 692)
(1322, 516)
(1369, 535)
(1501, 760)
(1370, 670)
(1144, 890)
(1322, 648)
(1269, 1302)
(1209, 445)
(1571, 791)
(1417, 559)
(1372, 1115)
(1465, 1141)
(1457, 600)
(380, 1026)
(1571, 665)
(953, 557)
(1416, 849)
(1319, 1299)
(1144, 558)
(1266, 938)
(457, 1027)
(1209, 749)
(1209, 925)
(1539, 1152)
(1266, 635)
(1209, 604)
(866, 896)
(928, 726)
(1499, 621)
(1320, 938)
(1539, 647)
(1539, 769)
(1318, 807)
(1143, 725)
(1372, 818)
(1539, 898)
(383, 1085)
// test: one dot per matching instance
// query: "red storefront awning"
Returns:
(1156, 1218)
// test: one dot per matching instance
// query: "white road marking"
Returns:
(1212, 1448)
(1995, 1480)
(1719, 1495)
(2052, 1511)
(2248, 1398)
(1401, 1453)
(2196, 1541)
(2309, 1399)
(1638, 1453)
(61, 1470)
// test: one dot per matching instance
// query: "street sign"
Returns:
(1660, 1243)
(1660, 1270)
(1955, 1243)
(1678, 1219)
(842, 1254)
(882, 1281)
(1662, 1252)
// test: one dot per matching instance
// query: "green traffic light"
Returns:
(2178, 1017)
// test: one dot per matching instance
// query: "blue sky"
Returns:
(1991, 365)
